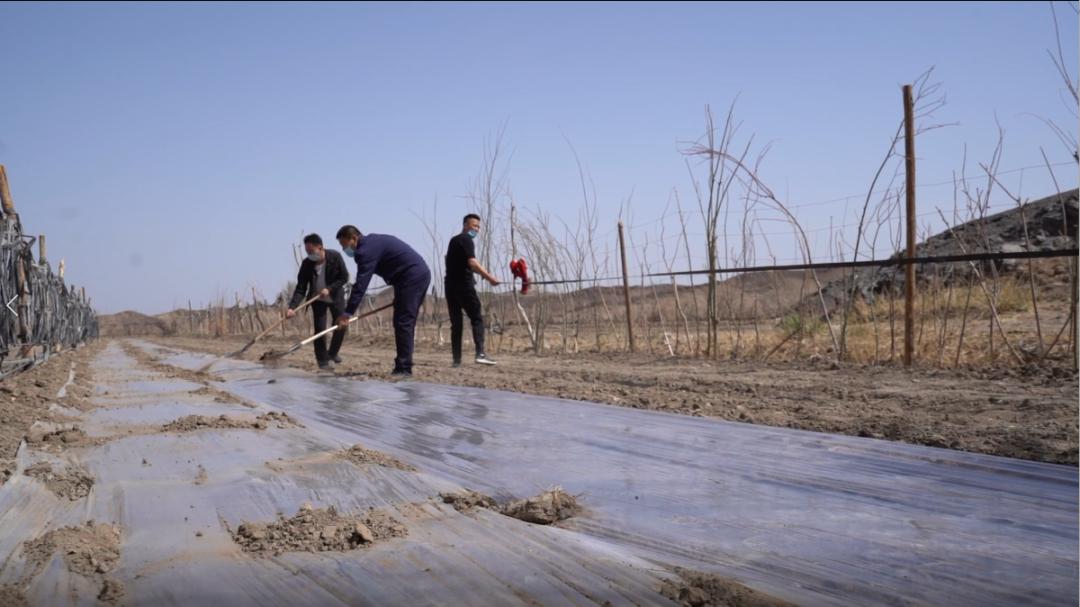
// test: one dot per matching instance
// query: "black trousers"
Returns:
(409, 293)
(318, 313)
(463, 298)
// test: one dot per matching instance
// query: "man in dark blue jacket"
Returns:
(402, 268)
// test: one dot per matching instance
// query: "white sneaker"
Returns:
(482, 359)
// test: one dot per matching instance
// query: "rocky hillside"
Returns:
(1051, 225)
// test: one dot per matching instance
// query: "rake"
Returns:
(267, 331)
(272, 354)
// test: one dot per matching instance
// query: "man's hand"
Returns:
(290, 313)
(493, 281)
(324, 293)
(343, 321)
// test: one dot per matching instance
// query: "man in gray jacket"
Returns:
(322, 272)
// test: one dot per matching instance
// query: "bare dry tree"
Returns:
(712, 201)
(1030, 264)
(533, 338)
(1067, 136)
(431, 226)
(1072, 317)
(979, 205)
(644, 319)
(881, 220)
(570, 263)
(990, 300)
(539, 248)
(749, 178)
(575, 257)
(669, 263)
(253, 312)
(690, 265)
(488, 194)
(744, 254)
(589, 217)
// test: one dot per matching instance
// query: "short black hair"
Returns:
(314, 239)
(470, 216)
(347, 231)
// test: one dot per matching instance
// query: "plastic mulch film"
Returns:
(812, 518)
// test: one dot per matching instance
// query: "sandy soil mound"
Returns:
(72, 483)
(59, 439)
(192, 423)
(91, 551)
(697, 589)
(546, 508)
(317, 530)
(361, 456)
(468, 500)
(219, 396)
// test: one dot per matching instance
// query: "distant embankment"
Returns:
(131, 324)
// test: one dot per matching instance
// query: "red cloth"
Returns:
(520, 269)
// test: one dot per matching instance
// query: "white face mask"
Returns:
(314, 257)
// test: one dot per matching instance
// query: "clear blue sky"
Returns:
(177, 151)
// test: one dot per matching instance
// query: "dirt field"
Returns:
(25, 398)
(1004, 412)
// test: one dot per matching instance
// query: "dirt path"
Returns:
(999, 412)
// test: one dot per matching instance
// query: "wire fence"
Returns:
(997, 290)
(974, 309)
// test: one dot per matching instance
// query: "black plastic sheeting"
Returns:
(53, 314)
(816, 519)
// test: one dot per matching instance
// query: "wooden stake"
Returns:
(626, 289)
(23, 297)
(7, 204)
(1072, 313)
(909, 269)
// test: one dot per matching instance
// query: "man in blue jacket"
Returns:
(402, 268)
